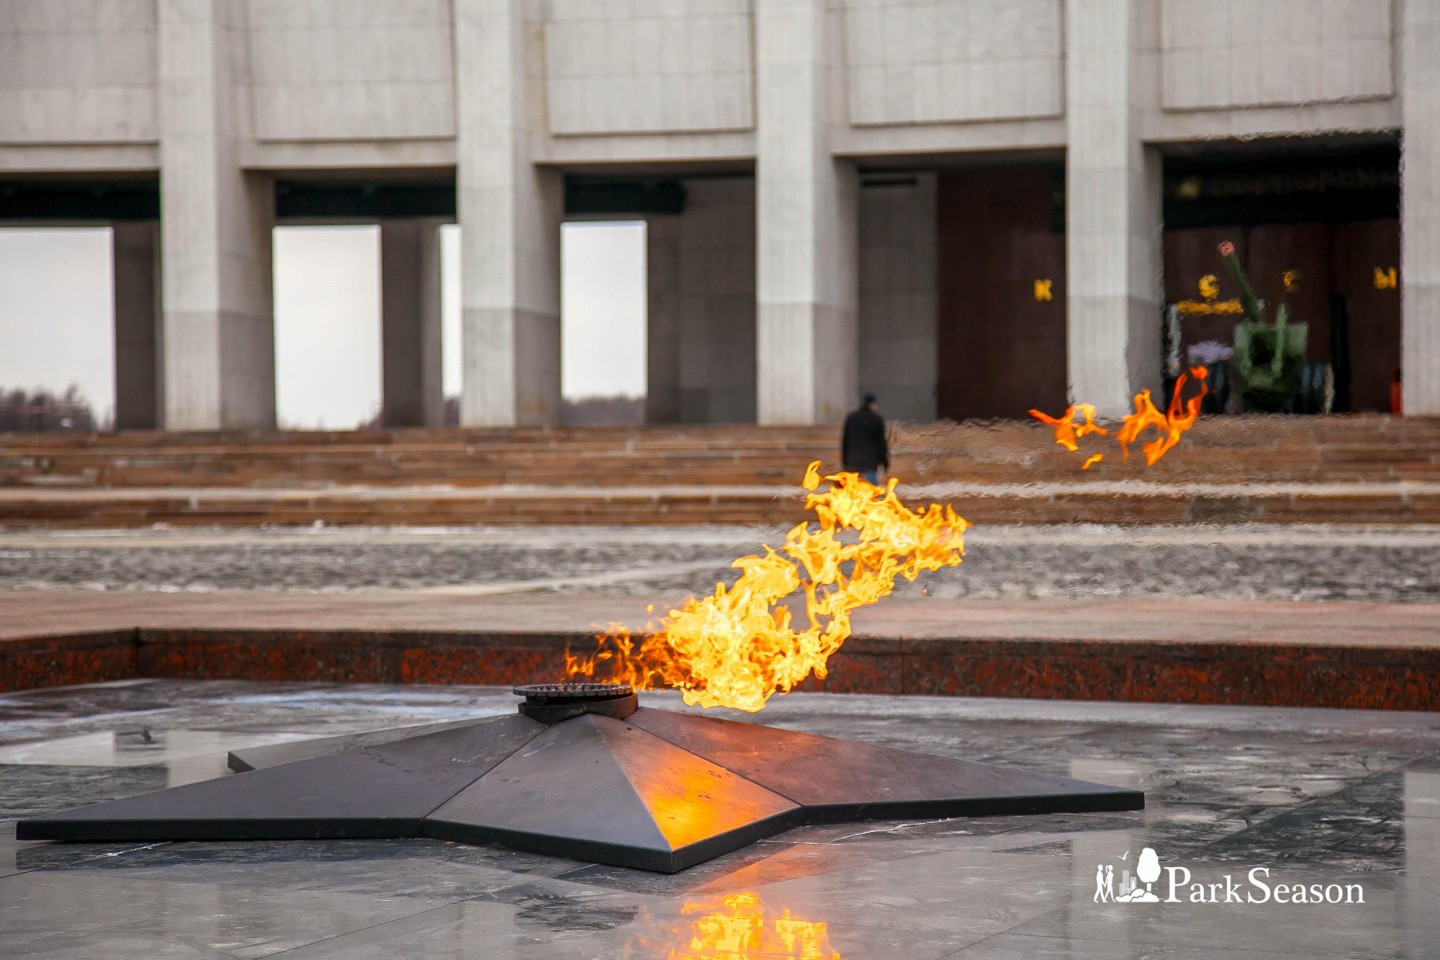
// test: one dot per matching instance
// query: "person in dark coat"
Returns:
(862, 446)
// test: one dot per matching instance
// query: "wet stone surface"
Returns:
(1232, 563)
(1316, 797)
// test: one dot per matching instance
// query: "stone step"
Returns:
(1391, 503)
(1225, 450)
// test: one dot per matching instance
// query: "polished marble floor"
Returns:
(1322, 799)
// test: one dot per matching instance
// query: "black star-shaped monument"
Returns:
(581, 772)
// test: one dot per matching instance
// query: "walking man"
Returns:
(1103, 893)
(862, 446)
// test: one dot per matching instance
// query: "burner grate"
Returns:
(554, 702)
(572, 691)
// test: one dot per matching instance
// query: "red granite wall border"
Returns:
(465, 664)
(68, 659)
(500, 658)
(321, 656)
(1369, 677)
(1282, 675)
(1255, 674)
(355, 656)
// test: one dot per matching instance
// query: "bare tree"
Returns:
(38, 410)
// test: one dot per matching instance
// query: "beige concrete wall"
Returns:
(1238, 53)
(716, 349)
(512, 93)
(938, 61)
(1420, 210)
(622, 66)
(330, 84)
(351, 69)
(77, 71)
(897, 296)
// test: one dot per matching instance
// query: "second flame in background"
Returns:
(1169, 426)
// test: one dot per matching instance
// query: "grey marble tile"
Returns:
(386, 869)
(674, 928)
(83, 914)
(1008, 946)
(127, 707)
(1378, 928)
(1320, 795)
(472, 930)
(19, 856)
(30, 789)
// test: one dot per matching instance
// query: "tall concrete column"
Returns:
(1114, 226)
(411, 388)
(215, 225)
(134, 254)
(510, 212)
(662, 319)
(806, 225)
(1420, 207)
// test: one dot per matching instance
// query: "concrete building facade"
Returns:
(809, 169)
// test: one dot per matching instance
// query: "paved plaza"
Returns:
(1248, 562)
(1338, 798)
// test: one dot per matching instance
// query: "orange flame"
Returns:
(737, 646)
(740, 931)
(1177, 418)
(1175, 421)
(1067, 434)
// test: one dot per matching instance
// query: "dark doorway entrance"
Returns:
(1001, 291)
(1323, 215)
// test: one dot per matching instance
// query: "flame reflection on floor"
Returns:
(737, 647)
(1169, 426)
(742, 929)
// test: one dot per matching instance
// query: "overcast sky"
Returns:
(56, 316)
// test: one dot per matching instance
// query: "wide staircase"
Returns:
(580, 456)
(1363, 469)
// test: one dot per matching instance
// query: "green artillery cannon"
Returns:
(1269, 358)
